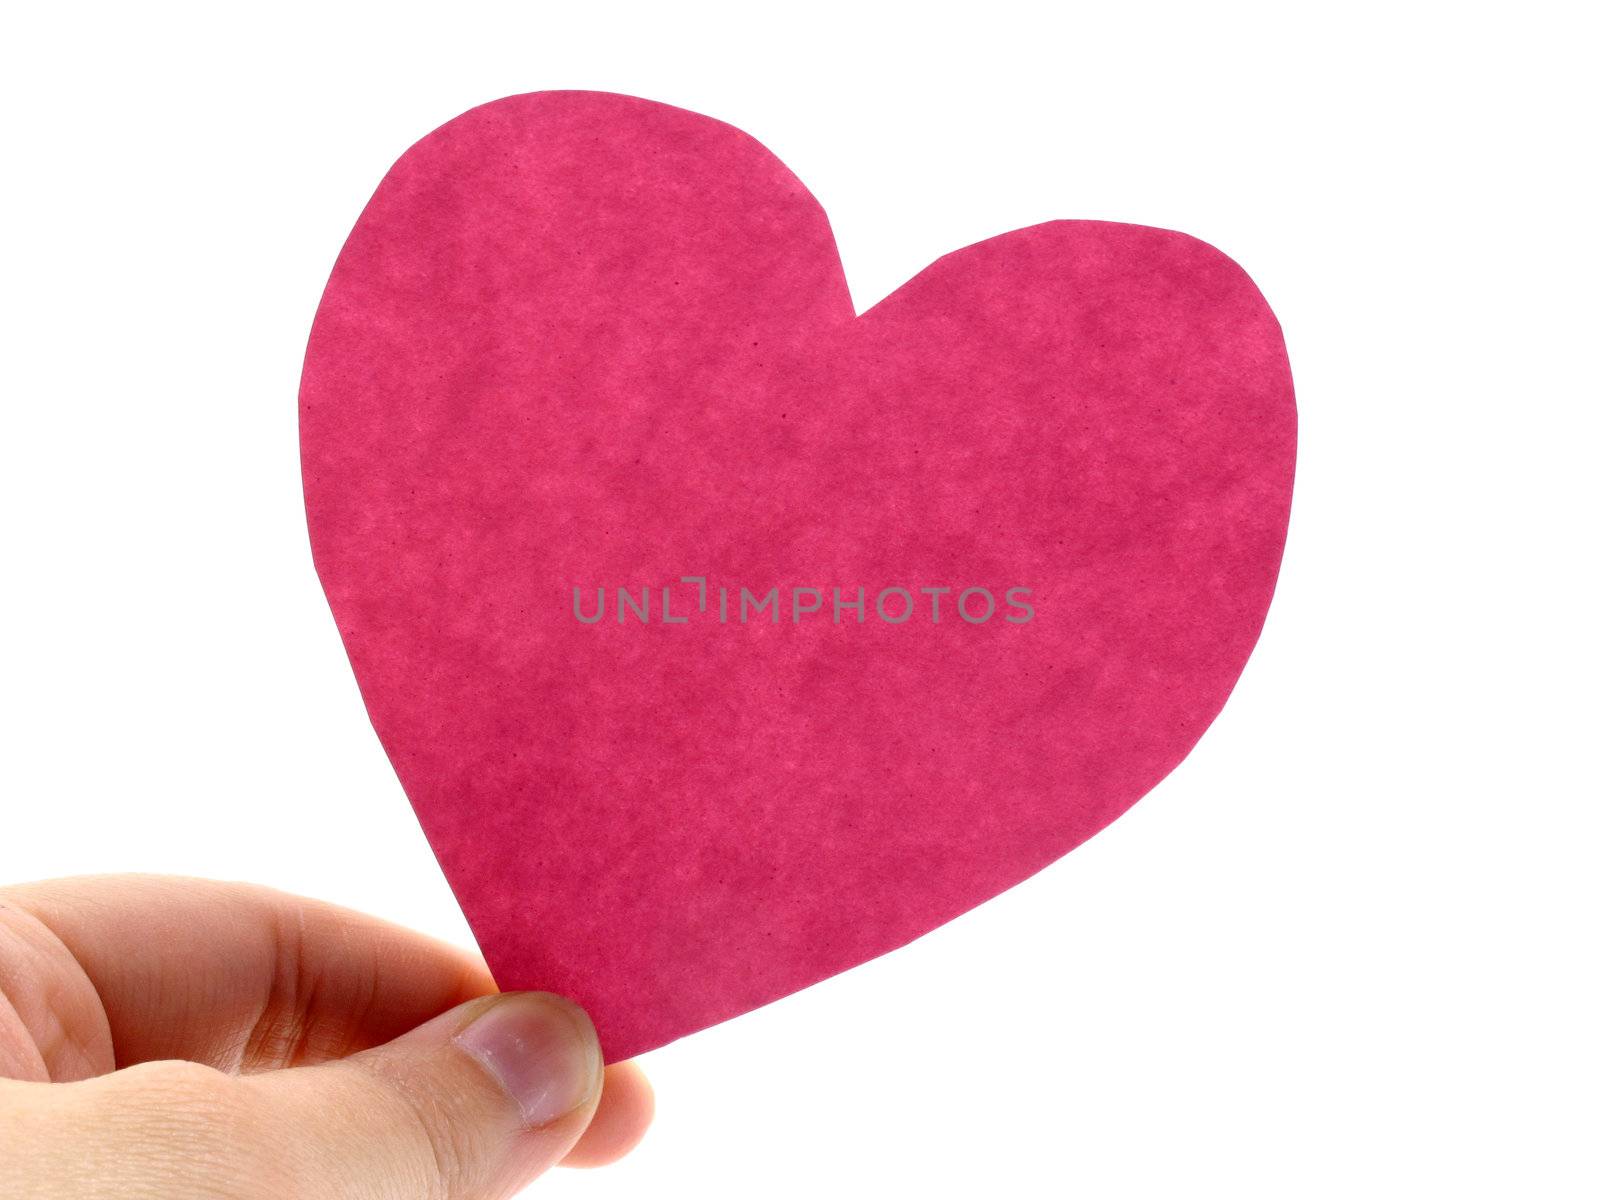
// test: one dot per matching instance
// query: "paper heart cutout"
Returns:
(580, 340)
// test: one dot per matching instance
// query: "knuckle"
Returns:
(176, 1097)
(177, 1081)
(446, 1150)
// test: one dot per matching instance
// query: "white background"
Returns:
(1348, 948)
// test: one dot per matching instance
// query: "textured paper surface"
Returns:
(579, 340)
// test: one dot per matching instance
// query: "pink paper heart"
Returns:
(581, 341)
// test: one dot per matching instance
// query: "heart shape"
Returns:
(581, 341)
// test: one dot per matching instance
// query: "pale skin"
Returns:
(179, 1038)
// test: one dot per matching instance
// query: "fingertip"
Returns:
(627, 1105)
(541, 1049)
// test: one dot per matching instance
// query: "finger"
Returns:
(51, 1023)
(627, 1105)
(239, 977)
(473, 1104)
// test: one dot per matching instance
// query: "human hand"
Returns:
(180, 1039)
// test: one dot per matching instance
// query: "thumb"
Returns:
(473, 1104)
(470, 1106)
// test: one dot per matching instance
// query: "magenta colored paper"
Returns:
(580, 340)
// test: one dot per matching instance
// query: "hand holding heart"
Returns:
(190, 1040)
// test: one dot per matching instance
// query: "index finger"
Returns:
(240, 977)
